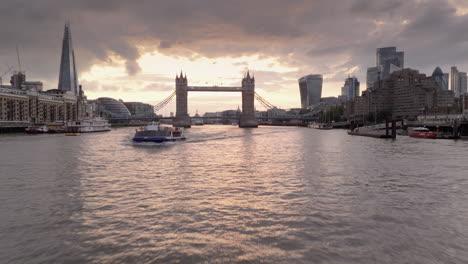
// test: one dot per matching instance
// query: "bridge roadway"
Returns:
(121, 120)
(213, 89)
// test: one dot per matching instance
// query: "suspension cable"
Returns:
(164, 102)
(264, 102)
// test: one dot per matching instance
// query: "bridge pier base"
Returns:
(182, 121)
(248, 121)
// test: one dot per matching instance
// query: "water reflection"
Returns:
(273, 195)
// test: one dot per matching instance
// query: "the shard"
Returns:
(68, 80)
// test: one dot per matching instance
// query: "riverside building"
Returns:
(139, 109)
(404, 95)
(24, 103)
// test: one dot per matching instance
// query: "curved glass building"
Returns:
(440, 78)
(111, 108)
(310, 88)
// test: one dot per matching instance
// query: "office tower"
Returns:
(388, 56)
(310, 88)
(440, 78)
(462, 79)
(454, 81)
(350, 89)
(373, 75)
(458, 82)
(68, 80)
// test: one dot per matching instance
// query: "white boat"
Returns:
(198, 121)
(320, 125)
(158, 134)
(97, 124)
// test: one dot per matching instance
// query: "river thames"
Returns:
(230, 195)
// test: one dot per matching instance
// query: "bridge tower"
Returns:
(182, 119)
(248, 118)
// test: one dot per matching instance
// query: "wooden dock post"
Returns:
(386, 128)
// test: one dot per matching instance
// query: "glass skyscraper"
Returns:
(388, 60)
(351, 88)
(388, 56)
(373, 75)
(310, 88)
(463, 82)
(68, 80)
(440, 78)
(458, 82)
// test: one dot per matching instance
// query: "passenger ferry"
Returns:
(158, 134)
(97, 124)
(422, 132)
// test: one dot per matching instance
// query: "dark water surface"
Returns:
(230, 195)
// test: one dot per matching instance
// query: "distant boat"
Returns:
(158, 134)
(198, 121)
(97, 124)
(324, 126)
(422, 132)
(38, 129)
(72, 134)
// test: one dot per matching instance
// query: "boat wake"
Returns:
(152, 144)
(212, 137)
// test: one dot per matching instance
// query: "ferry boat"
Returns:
(97, 124)
(158, 134)
(422, 132)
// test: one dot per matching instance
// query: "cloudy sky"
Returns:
(132, 49)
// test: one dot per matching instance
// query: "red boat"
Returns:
(422, 132)
(36, 129)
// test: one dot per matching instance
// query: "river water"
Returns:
(231, 195)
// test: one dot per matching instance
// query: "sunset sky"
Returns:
(131, 50)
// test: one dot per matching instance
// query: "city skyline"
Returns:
(136, 60)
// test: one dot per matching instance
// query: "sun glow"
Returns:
(156, 79)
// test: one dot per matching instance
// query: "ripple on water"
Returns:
(229, 195)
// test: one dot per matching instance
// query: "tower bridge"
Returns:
(247, 118)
